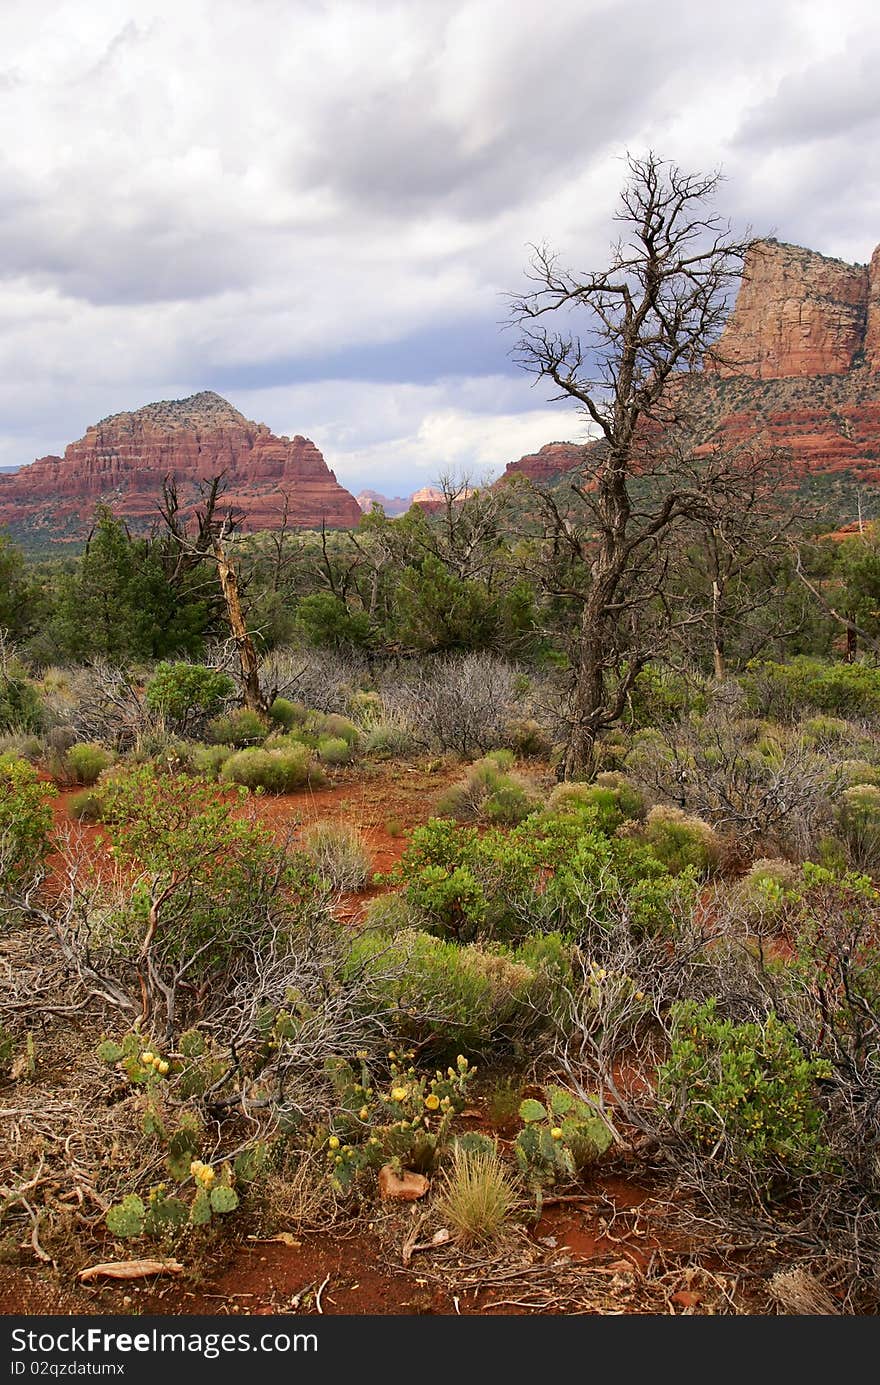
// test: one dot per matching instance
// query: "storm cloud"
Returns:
(317, 208)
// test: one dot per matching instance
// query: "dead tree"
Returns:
(651, 315)
(210, 543)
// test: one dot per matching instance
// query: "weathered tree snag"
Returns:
(254, 697)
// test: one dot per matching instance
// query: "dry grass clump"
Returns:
(339, 855)
(798, 1291)
(479, 1197)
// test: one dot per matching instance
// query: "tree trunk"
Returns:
(254, 697)
(717, 633)
(589, 693)
(852, 644)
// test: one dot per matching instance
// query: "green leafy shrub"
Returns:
(86, 806)
(607, 803)
(549, 873)
(275, 771)
(208, 760)
(826, 731)
(490, 793)
(745, 1092)
(335, 726)
(287, 714)
(239, 728)
(679, 841)
(769, 885)
(20, 706)
(850, 773)
(388, 739)
(858, 818)
(183, 690)
(86, 762)
(333, 750)
(561, 1139)
(25, 821)
(782, 691)
(451, 998)
(339, 855)
(191, 847)
(511, 801)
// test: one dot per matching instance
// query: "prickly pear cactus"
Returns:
(559, 1140)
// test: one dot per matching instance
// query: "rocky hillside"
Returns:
(797, 367)
(551, 461)
(124, 459)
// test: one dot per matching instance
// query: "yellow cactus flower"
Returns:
(162, 1067)
(556, 1132)
(363, 1113)
(147, 1058)
(398, 1094)
(432, 1101)
(333, 1142)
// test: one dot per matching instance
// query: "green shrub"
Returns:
(86, 806)
(180, 690)
(239, 728)
(339, 855)
(20, 706)
(337, 727)
(447, 998)
(84, 763)
(208, 760)
(607, 803)
(287, 714)
(388, 739)
(850, 773)
(333, 750)
(858, 818)
(679, 841)
(25, 821)
(275, 771)
(490, 794)
(216, 867)
(510, 802)
(826, 731)
(550, 873)
(529, 740)
(782, 691)
(769, 885)
(746, 1092)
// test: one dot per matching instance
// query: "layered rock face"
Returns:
(125, 458)
(797, 313)
(549, 462)
(797, 366)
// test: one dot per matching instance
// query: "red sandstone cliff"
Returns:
(549, 462)
(797, 313)
(124, 459)
(797, 366)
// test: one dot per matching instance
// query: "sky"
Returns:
(318, 209)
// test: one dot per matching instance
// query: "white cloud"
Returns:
(282, 191)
